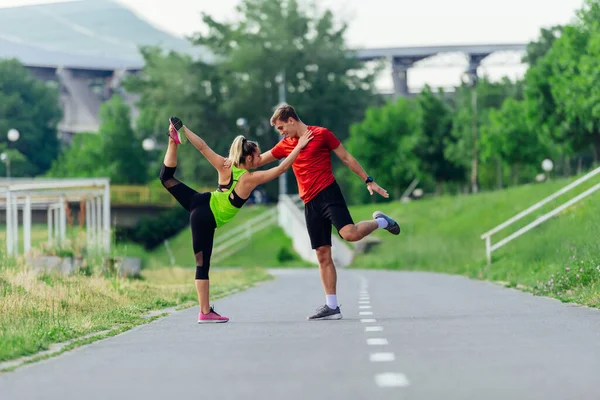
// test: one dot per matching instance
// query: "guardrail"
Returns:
(143, 195)
(489, 248)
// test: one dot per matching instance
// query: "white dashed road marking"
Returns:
(377, 341)
(386, 379)
(390, 379)
(382, 357)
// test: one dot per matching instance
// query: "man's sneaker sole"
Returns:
(328, 317)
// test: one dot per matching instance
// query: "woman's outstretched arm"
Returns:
(216, 160)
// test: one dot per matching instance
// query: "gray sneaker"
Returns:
(325, 312)
(392, 227)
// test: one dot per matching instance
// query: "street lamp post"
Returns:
(13, 135)
(6, 160)
(280, 79)
(471, 79)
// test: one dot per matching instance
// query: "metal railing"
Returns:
(144, 195)
(238, 238)
(489, 248)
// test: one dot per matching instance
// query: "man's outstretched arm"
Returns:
(355, 167)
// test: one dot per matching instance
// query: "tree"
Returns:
(509, 136)
(434, 134)
(490, 95)
(537, 49)
(278, 41)
(33, 108)
(386, 140)
(83, 159)
(114, 151)
(123, 150)
(173, 85)
(562, 88)
(272, 45)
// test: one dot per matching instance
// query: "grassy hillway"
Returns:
(559, 258)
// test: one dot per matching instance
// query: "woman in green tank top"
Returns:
(211, 210)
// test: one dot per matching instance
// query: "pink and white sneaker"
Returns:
(211, 317)
(175, 126)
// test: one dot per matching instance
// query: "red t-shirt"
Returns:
(312, 167)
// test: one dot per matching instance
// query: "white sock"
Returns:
(382, 222)
(331, 300)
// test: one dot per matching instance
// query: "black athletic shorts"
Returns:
(325, 209)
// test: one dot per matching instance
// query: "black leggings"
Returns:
(202, 220)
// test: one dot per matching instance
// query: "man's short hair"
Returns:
(283, 113)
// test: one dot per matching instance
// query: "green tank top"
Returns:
(221, 201)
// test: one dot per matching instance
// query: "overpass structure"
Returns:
(404, 58)
(87, 81)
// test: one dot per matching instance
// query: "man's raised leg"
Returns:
(354, 233)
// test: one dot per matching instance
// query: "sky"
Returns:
(390, 23)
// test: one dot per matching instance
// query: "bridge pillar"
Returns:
(400, 68)
(474, 63)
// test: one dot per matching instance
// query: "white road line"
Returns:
(363, 302)
(382, 357)
(377, 341)
(368, 320)
(364, 307)
(373, 328)
(390, 379)
(365, 313)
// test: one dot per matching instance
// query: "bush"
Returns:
(284, 254)
(152, 231)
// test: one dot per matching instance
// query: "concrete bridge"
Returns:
(404, 58)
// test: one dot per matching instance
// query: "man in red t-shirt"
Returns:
(324, 203)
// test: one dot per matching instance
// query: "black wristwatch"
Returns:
(369, 179)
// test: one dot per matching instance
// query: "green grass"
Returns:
(268, 248)
(38, 310)
(443, 235)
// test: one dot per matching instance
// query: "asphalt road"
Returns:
(404, 336)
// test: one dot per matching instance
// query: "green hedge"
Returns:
(150, 232)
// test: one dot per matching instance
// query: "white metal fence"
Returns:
(489, 248)
(53, 195)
